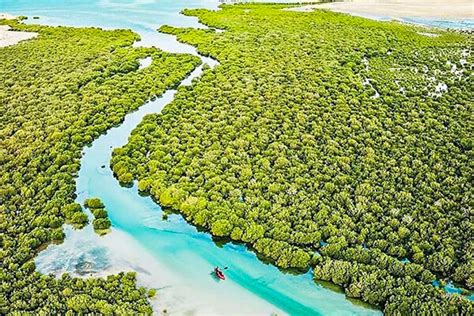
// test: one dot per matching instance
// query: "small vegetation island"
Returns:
(58, 92)
(324, 141)
(101, 223)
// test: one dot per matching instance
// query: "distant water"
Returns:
(463, 24)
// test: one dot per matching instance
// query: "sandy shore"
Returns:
(8, 37)
(441, 9)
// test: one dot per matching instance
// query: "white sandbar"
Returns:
(452, 9)
(8, 37)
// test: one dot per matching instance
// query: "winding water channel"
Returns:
(167, 254)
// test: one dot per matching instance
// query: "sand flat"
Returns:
(8, 37)
(442, 9)
(119, 251)
(7, 16)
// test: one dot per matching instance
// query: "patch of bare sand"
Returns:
(452, 9)
(8, 37)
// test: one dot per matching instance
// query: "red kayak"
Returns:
(219, 274)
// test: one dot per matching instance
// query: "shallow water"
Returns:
(167, 254)
(145, 62)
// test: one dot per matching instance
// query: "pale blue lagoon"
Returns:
(168, 254)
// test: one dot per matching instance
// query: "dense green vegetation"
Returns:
(325, 141)
(101, 222)
(58, 92)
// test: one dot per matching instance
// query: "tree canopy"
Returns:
(101, 222)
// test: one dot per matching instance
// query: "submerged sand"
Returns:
(8, 37)
(85, 254)
(441, 9)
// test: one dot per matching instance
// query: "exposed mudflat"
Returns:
(441, 9)
(8, 37)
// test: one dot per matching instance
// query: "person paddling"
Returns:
(219, 273)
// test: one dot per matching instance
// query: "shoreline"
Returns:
(7, 16)
(90, 255)
(436, 12)
(8, 37)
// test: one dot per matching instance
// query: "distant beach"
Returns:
(425, 9)
(8, 37)
(7, 16)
